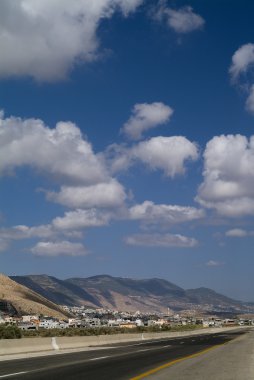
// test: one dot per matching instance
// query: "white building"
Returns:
(29, 318)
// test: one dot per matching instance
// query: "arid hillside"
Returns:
(26, 301)
(127, 294)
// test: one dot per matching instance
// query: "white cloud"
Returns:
(108, 194)
(236, 232)
(61, 152)
(70, 225)
(182, 20)
(24, 232)
(144, 117)
(164, 214)
(68, 158)
(46, 39)
(228, 185)
(242, 60)
(79, 219)
(63, 248)
(239, 233)
(161, 240)
(168, 154)
(243, 64)
(213, 263)
(117, 157)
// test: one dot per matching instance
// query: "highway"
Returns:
(119, 361)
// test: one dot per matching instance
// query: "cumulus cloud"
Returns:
(46, 39)
(144, 117)
(63, 248)
(168, 154)
(65, 155)
(61, 152)
(242, 60)
(164, 214)
(228, 188)
(243, 64)
(183, 20)
(108, 194)
(24, 232)
(161, 240)
(79, 219)
(69, 226)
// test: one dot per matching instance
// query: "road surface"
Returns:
(123, 361)
(233, 361)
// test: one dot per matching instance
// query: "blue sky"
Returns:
(125, 140)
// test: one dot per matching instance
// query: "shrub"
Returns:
(103, 330)
(10, 332)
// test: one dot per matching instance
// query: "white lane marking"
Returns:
(153, 348)
(182, 342)
(150, 342)
(13, 374)
(193, 340)
(138, 344)
(145, 349)
(101, 357)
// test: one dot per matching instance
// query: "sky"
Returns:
(126, 140)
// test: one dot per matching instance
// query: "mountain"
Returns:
(147, 295)
(130, 294)
(208, 296)
(55, 290)
(26, 301)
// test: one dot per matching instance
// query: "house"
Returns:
(29, 318)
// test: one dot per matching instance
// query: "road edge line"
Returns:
(172, 362)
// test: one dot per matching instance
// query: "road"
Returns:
(119, 361)
(233, 361)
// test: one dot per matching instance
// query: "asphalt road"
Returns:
(119, 361)
(233, 361)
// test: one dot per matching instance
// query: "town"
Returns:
(82, 317)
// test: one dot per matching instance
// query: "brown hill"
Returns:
(26, 301)
(127, 294)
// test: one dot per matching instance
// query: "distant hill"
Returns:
(148, 295)
(208, 296)
(55, 290)
(27, 301)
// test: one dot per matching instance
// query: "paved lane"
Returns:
(233, 361)
(119, 362)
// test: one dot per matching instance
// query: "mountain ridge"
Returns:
(127, 294)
